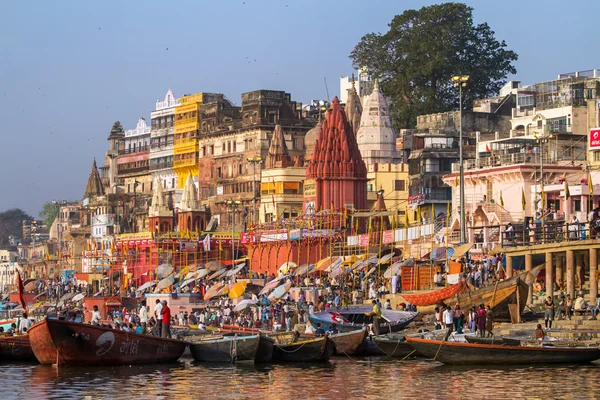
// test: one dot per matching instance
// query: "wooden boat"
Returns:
(469, 353)
(355, 318)
(264, 353)
(393, 345)
(311, 350)
(436, 296)
(71, 343)
(349, 343)
(371, 349)
(16, 348)
(498, 297)
(225, 349)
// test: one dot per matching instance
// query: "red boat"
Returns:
(70, 343)
(16, 348)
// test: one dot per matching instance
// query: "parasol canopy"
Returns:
(325, 263)
(496, 250)
(286, 266)
(212, 292)
(267, 288)
(165, 283)
(370, 272)
(393, 270)
(461, 250)
(216, 274)
(213, 266)
(385, 258)
(30, 284)
(187, 282)
(242, 305)
(146, 286)
(236, 269)
(303, 269)
(280, 291)
(201, 273)
(163, 270)
(237, 290)
(78, 297)
(359, 265)
(183, 272)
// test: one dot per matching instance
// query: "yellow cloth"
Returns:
(376, 311)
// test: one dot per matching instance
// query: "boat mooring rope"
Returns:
(292, 351)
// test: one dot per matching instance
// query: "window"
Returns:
(597, 156)
(399, 185)
(576, 205)
(219, 172)
(239, 169)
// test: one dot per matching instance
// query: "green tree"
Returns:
(49, 213)
(416, 59)
(11, 223)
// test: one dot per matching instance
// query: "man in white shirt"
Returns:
(24, 324)
(448, 317)
(96, 317)
(144, 317)
(157, 315)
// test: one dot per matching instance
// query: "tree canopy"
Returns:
(11, 223)
(49, 213)
(423, 49)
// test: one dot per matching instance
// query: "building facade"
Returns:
(161, 142)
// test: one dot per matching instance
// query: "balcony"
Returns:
(190, 162)
(498, 160)
(136, 150)
(163, 165)
(132, 170)
(162, 145)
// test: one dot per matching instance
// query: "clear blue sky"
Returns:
(69, 69)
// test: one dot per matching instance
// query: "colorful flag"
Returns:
(501, 200)
(21, 291)
(206, 243)
(487, 148)
(523, 202)
(567, 192)
(590, 185)
(456, 181)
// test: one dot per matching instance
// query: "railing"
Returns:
(161, 145)
(140, 149)
(516, 158)
(190, 162)
(121, 170)
(163, 165)
(549, 232)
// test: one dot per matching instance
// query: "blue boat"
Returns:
(354, 318)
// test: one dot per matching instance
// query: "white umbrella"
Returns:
(280, 291)
(335, 264)
(165, 283)
(217, 274)
(286, 266)
(267, 288)
(385, 258)
(360, 264)
(146, 286)
(190, 275)
(244, 304)
(236, 270)
(201, 273)
(80, 296)
(393, 269)
(369, 273)
(163, 270)
(187, 282)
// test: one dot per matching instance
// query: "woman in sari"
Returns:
(481, 320)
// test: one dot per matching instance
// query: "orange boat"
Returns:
(16, 348)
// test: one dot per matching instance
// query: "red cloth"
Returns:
(166, 315)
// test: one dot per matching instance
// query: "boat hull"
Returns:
(349, 343)
(395, 346)
(71, 343)
(354, 319)
(226, 349)
(468, 353)
(16, 348)
(266, 346)
(313, 350)
(512, 291)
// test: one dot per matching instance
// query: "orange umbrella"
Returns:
(237, 290)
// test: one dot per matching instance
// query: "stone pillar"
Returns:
(593, 280)
(528, 262)
(570, 261)
(509, 267)
(549, 285)
(559, 276)
(579, 262)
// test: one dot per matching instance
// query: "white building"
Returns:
(161, 142)
(8, 268)
(376, 139)
(364, 84)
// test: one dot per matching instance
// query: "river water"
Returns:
(341, 378)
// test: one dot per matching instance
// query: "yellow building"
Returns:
(281, 193)
(393, 180)
(185, 142)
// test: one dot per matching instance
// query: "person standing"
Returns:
(481, 320)
(489, 321)
(96, 317)
(472, 320)
(448, 317)
(549, 314)
(158, 316)
(24, 324)
(166, 320)
(143, 317)
(376, 318)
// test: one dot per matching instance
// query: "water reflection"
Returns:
(341, 378)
